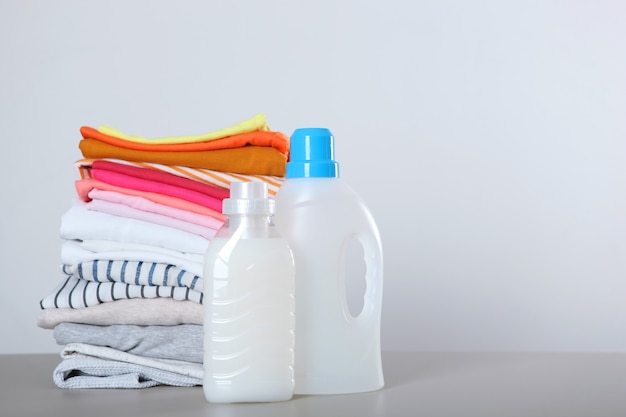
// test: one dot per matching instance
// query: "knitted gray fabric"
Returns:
(89, 372)
(182, 342)
(72, 350)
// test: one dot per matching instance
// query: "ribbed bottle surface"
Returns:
(249, 321)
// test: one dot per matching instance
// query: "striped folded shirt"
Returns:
(73, 292)
(135, 273)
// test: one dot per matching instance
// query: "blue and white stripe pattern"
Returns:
(74, 292)
(135, 273)
(101, 281)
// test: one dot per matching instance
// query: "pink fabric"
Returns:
(122, 210)
(140, 184)
(84, 186)
(142, 203)
(162, 177)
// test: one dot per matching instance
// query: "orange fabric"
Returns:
(251, 160)
(276, 140)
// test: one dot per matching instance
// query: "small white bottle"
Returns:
(248, 303)
(320, 215)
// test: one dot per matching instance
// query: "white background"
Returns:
(488, 139)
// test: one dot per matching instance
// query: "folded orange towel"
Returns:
(251, 159)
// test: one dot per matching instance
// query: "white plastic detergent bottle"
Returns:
(320, 216)
(248, 303)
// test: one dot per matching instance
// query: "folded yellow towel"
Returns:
(257, 122)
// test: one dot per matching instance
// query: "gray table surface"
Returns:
(417, 384)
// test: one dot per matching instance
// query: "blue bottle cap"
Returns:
(311, 154)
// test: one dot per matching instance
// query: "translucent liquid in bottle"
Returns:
(249, 320)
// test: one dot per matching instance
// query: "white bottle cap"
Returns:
(248, 198)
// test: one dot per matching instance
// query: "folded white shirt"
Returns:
(78, 223)
(74, 252)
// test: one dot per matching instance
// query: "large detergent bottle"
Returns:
(320, 215)
(248, 303)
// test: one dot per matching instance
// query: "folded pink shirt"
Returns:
(213, 178)
(140, 184)
(123, 210)
(84, 186)
(161, 177)
(144, 204)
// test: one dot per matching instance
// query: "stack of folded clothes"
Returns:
(128, 312)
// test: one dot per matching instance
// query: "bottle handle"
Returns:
(372, 299)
